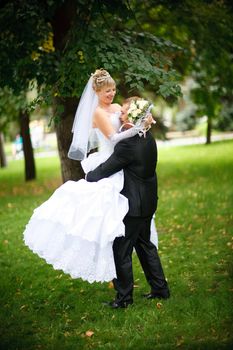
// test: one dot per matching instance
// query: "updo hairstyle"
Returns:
(101, 78)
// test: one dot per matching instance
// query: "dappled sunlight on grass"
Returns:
(13, 183)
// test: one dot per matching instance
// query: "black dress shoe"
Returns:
(154, 295)
(119, 304)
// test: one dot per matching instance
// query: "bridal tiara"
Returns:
(100, 75)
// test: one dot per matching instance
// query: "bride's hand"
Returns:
(149, 120)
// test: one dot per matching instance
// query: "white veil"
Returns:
(84, 137)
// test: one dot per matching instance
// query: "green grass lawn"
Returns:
(45, 309)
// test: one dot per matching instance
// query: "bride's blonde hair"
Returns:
(101, 78)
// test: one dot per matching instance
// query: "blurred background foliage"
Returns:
(177, 53)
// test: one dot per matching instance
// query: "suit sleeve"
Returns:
(121, 157)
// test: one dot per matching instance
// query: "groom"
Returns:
(137, 156)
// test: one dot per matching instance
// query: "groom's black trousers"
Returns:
(137, 235)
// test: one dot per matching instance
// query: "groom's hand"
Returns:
(88, 176)
(94, 175)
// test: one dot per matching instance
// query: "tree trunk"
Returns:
(70, 169)
(3, 162)
(61, 23)
(29, 162)
(208, 131)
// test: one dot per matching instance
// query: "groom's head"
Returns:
(132, 108)
(125, 107)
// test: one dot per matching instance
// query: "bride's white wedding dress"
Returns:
(75, 228)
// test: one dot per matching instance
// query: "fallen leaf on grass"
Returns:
(89, 333)
(159, 305)
(23, 307)
(213, 330)
(67, 334)
(180, 341)
(110, 285)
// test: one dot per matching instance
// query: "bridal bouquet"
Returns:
(138, 110)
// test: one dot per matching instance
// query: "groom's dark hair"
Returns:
(130, 99)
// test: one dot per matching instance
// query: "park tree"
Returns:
(8, 113)
(3, 162)
(60, 43)
(14, 108)
(5, 119)
(204, 29)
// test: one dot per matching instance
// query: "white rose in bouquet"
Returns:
(138, 110)
(142, 103)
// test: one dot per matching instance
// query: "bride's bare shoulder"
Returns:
(116, 107)
(100, 118)
(99, 112)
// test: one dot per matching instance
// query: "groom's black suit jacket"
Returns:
(137, 156)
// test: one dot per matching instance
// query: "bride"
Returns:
(75, 228)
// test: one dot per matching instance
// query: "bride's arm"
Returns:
(102, 121)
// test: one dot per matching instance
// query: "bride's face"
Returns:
(107, 94)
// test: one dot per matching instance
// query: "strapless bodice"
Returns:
(105, 144)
